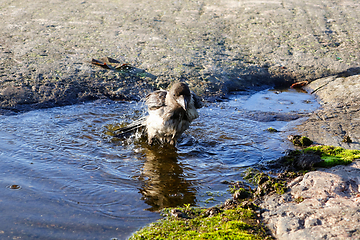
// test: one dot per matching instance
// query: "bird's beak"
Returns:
(182, 101)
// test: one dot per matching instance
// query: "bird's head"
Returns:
(180, 92)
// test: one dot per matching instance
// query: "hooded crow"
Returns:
(170, 114)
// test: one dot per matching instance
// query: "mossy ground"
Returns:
(333, 156)
(266, 183)
(237, 223)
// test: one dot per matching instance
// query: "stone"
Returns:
(307, 161)
(330, 209)
(177, 213)
(337, 122)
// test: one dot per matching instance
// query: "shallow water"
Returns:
(64, 177)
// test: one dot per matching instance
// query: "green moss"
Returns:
(280, 187)
(299, 199)
(241, 193)
(210, 200)
(270, 129)
(232, 189)
(266, 184)
(305, 141)
(334, 155)
(252, 175)
(301, 141)
(238, 223)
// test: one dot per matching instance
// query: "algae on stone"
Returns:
(271, 129)
(334, 155)
(266, 183)
(237, 223)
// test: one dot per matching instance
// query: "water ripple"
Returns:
(69, 170)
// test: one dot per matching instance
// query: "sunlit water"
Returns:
(63, 177)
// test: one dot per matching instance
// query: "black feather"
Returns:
(131, 128)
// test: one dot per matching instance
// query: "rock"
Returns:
(273, 130)
(295, 161)
(177, 213)
(241, 194)
(212, 212)
(337, 122)
(229, 204)
(324, 204)
(307, 160)
(347, 139)
(329, 210)
(301, 141)
(248, 204)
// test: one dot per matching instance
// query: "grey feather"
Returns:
(170, 114)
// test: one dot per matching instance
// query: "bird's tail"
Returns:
(124, 132)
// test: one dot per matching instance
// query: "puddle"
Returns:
(286, 101)
(79, 183)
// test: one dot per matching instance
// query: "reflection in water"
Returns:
(164, 183)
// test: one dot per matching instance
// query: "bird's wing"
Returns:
(197, 100)
(131, 128)
(156, 99)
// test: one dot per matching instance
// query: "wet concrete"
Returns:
(339, 116)
(216, 46)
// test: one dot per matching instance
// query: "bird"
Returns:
(169, 114)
